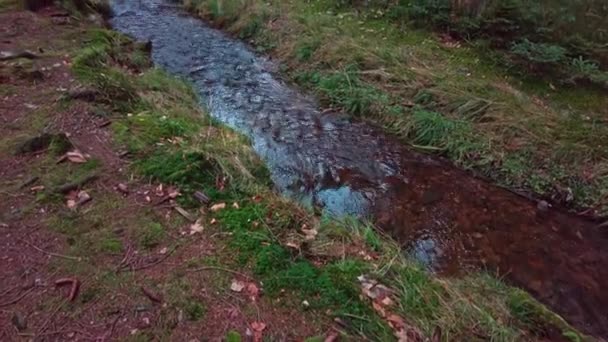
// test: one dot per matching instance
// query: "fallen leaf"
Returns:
(237, 285)
(71, 203)
(293, 245)
(37, 188)
(173, 193)
(197, 227)
(379, 309)
(218, 206)
(332, 336)
(83, 197)
(387, 301)
(122, 188)
(258, 328)
(395, 321)
(76, 157)
(253, 291)
(309, 233)
(159, 190)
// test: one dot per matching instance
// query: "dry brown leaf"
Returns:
(253, 291)
(71, 203)
(379, 309)
(159, 190)
(332, 336)
(395, 321)
(76, 157)
(83, 197)
(37, 188)
(237, 285)
(122, 187)
(309, 233)
(293, 245)
(173, 193)
(387, 301)
(218, 206)
(258, 328)
(197, 227)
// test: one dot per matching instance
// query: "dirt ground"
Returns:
(49, 290)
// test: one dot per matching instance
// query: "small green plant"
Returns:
(111, 245)
(345, 89)
(233, 336)
(151, 235)
(305, 50)
(539, 53)
(194, 310)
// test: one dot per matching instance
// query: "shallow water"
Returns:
(444, 217)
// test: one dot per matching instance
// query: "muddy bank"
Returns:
(445, 218)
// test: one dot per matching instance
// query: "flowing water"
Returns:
(445, 218)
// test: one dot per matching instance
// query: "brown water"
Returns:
(445, 218)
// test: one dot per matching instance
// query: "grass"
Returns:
(460, 102)
(174, 142)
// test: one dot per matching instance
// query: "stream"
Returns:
(444, 217)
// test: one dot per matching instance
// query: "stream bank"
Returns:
(447, 219)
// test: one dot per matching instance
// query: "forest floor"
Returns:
(127, 214)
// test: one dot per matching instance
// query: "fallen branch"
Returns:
(6, 56)
(185, 214)
(65, 188)
(51, 253)
(28, 182)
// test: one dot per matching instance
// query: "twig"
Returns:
(155, 262)
(206, 268)
(20, 297)
(125, 259)
(51, 253)
(153, 296)
(5, 56)
(43, 327)
(114, 326)
(75, 185)
(28, 182)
